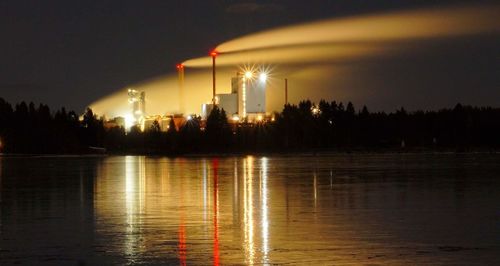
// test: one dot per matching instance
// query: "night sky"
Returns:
(70, 53)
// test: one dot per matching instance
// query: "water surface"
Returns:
(439, 209)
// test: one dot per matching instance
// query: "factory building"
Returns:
(138, 101)
(245, 103)
(228, 102)
(137, 116)
(115, 122)
(247, 99)
(164, 122)
(148, 121)
(252, 94)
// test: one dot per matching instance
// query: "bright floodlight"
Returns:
(129, 121)
(263, 77)
(315, 110)
(248, 75)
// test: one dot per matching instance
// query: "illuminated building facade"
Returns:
(115, 122)
(228, 102)
(138, 101)
(247, 99)
(206, 109)
(253, 94)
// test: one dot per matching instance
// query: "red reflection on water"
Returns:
(215, 165)
(182, 243)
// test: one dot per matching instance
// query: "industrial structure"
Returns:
(138, 101)
(213, 54)
(245, 103)
(180, 71)
(247, 100)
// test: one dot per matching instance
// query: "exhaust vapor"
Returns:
(383, 60)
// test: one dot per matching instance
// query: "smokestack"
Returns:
(213, 54)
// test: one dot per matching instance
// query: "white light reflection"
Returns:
(135, 172)
(248, 209)
(252, 235)
(264, 209)
(130, 176)
(236, 198)
(216, 253)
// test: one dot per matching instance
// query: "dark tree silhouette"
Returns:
(26, 128)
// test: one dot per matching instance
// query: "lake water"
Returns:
(377, 209)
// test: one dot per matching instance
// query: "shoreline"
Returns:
(311, 153)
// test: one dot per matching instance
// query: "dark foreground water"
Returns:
(380, 209)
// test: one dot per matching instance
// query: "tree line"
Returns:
(330, 126)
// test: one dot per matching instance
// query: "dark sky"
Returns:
(70, 53)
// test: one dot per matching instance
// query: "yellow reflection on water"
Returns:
(135, 177)
(264, 210)
(248, 209)
(148, 202)
(205, 189)
(189, 210)
(215, 166)
(152, 211)
(315, 185)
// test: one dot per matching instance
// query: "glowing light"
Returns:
(263, 77)
(248, 74)
(244, 98)
(215, 164)
(189, 117)
(132, 96)
(236, 118)
(179, 66)
(315, 185)
(264, 208)
(205, 189)
(315, 110)
(135, 189)
(214, 53)
(248, 208)
(129, 121)
(259, 118)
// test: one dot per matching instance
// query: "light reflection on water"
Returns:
(382, 209)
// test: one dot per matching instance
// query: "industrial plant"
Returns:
(246, 102)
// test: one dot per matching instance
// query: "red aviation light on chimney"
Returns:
(179, 66)
(214, 53)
